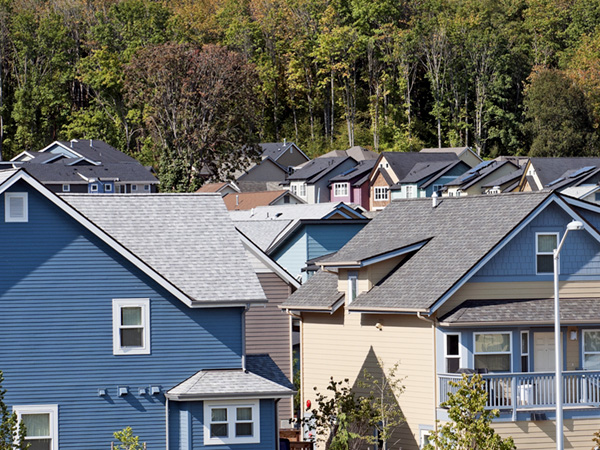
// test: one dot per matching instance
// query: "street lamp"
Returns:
(572, 226)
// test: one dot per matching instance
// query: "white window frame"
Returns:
(66, 188)
(146, 188)
(409, 191)
(352, 285)
(446, 356)
(8, 217)
(231, 407)
(538, 253)
(119, 303)
(302, 190)
(424, 434)
(437, 187)
(583, 352)
(378, 193)
(340, 189)
(134, 188)
(94, 187)
(524, 334)
(509, 352)
(293, 189)
(108, 187)
(51, 410)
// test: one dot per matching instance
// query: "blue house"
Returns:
(119, 311)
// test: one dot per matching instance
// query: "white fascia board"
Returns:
(102, 235)
(266, 260)
(376, 259)
(70, 149)
(552, 198)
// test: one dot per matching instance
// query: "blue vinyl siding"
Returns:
(191, 414)
(579, 258)
(56, 290)
(312, 241)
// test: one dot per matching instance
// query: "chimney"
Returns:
(434, 200)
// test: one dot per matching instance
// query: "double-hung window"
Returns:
(545, 243)
(452, 352)
(381, 193)
(15, 207)
(41, 423)
(340, 189)
(131, 326)
(492, 351)
(302, 190)
(591, 349)
(410, 191)
(231, 422)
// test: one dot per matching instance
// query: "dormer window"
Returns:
(15, 207)
(340, 189)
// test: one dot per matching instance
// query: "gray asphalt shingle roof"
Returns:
(401, 163)
(319, 292)
(449, 253)
(550, 169)
(541, 310)
(359, 172)
(478, 173)
(423, 170)
(60, 173)
(261, 379)
(317, 168)
(187, 238)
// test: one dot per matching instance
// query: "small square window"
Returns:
(93, 187)
(134, 188)
(147, 188)
(15, 207)
(108, 188)
(66, 188)
(131, 326)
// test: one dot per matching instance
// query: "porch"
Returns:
(532, 391)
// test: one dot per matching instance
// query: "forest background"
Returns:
(189, 84)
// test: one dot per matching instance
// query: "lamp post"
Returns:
(572, 226)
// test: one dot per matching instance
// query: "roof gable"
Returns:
(159, 234)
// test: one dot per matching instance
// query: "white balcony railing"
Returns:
(531, 391)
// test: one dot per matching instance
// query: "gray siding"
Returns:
(268, 330)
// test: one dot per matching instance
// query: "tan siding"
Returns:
(377, 271)
(531, 289)
(342, 346)
(502, 171)
(268, 330)
(541, 435)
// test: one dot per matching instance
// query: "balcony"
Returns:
(532, 391)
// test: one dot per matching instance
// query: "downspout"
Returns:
(167, 422)
(433, 323)
(244, 336)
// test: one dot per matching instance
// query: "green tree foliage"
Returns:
(12, 431)
(127, 440)
(558, 116)
(389, 75)
(199, 108)
(469, 427)
(347, 417)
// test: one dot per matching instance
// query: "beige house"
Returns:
(464, 285)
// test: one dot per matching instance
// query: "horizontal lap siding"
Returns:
(268, 440)
(519, 290)
(268, 330)
(56, 290)
(541, 435)
(342, 347)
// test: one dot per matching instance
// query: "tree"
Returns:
(558, 116)
(469, 427)
(12, 431)
(200, 110)
(127, 441)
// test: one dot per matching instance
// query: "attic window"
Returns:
(545, 243)
(15, 207)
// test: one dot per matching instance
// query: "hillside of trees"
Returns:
(189, 84)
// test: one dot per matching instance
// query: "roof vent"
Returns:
(237, 200)
(284, 141)
(434, 200)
